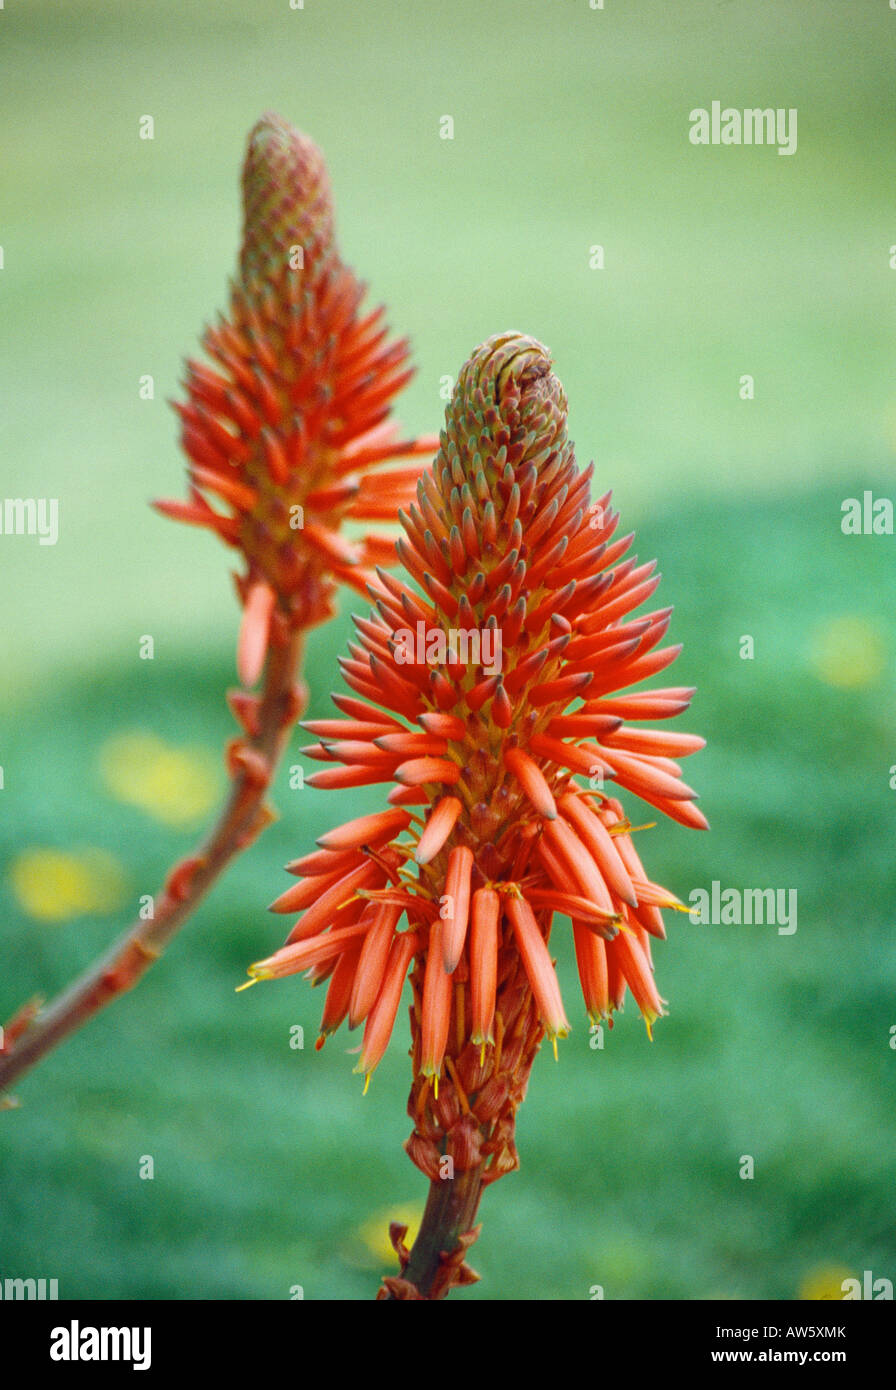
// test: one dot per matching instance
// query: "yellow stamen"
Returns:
(554, 1045)
(366, 1084)
(499, 1040)
(248, 984)
(375, 855)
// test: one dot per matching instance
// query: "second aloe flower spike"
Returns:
(518, 606)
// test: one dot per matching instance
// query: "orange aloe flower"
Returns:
(489, 682)
(284, 430)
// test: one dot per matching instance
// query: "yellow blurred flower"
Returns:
(824, 1282)
(375, 1231)
(175, 785)
(848, 652)
(53, 885)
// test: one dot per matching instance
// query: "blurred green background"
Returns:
(571, 130)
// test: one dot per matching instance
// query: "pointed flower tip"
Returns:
(286, 195)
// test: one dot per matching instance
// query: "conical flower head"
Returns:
(490, 685)
(284, 429)
(287, 204)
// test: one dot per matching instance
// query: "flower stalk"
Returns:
(244, 816)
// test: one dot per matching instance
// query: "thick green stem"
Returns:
(449, 1213)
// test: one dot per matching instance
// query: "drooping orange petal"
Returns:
(358, 709)
(645, 778)
(537, 964)
(436, 1006)
(439, 825)
(444, 725)
(591, 958)
(372, 963)
(366, 830)
(582, 759)
(576, 907)
(342, 728)
(631, 960)
(381, 1019)
(417, 771)
(411, 745)
(309, 889)
(562, 839)
(361, 775)
(532, 780)
(359, 753)
(595, 837)
(339, 992)
(484, 916)
(685, 812)
(340, 890)
(654, 741)
(457, 906)
(290, 959)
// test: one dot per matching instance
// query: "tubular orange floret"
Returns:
(629, 956)
(340, 891)
(538, 965)
(439, 826)
(416, 771)
(289, 960)
(591, 959)
(372, 961)
(456, 905)
(596, 838)
(562, 839)
(366, 830)
(532, 780)
(321, 863)
(339, 991)
(381, 1019)
(484, 918)
(436, 1008)
(577, 908)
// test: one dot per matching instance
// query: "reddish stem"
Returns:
(252, 761)
(436, 1261)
